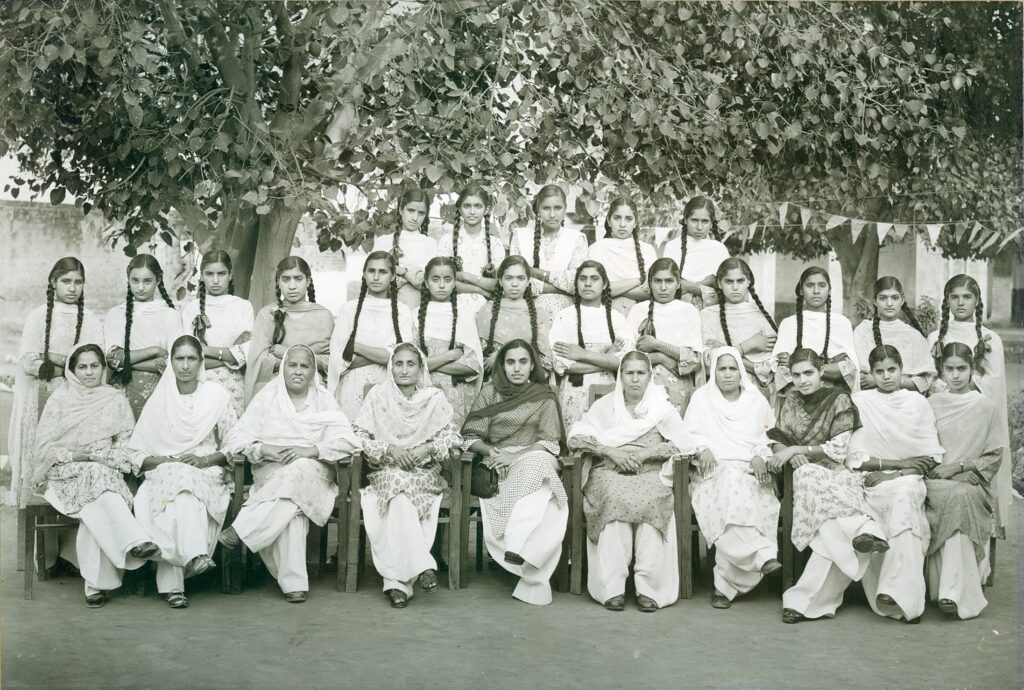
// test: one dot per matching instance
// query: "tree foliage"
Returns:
(240, 117)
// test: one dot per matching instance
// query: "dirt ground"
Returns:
(481, 637)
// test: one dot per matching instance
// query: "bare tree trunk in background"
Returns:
(273, 242)
(859, 261)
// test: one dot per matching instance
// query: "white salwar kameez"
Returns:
(955, 573)
(619, 260)
(231, 318)
(414, 251)
(737, 513)
(473, 253)
(561, 253)
(840, 343)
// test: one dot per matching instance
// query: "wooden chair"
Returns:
(39, 518)
(687, 531)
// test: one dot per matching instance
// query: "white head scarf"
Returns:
(172, 423)
(406, 422)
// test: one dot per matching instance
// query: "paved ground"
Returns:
(481, 637)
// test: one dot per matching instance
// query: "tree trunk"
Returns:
(859, 261)
(274, 242)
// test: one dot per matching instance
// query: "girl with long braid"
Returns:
(448, 339)
(364, 332)
(409, 244)
(476, 251)
(740, 320)
(817, 327)
(623, 255)
(961, 298)
(668, 331)
(907, 336)
(699, 252)
(136, 334)
(513, 313)
(223, 323)
(295, 319)
(50, 332)
(588, 340)
(552, 251)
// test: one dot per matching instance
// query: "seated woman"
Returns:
(515, 424)
(896, 446)
(292, 431)
(406, 429)
(830, 513)
(959, 501)
(185, 496)
(81, 455)
(628, 435)
(732, 493)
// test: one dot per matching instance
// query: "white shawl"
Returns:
(437, 324)
(375, 330)
(675, 322)
(840, 335)
(229, 316)
(619, 257)
(416, 249)
(703, 257)
(565, 242)
(897, 426)
(154, 324)
(912, 346)
(595, 330)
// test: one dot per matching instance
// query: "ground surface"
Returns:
(481, 637)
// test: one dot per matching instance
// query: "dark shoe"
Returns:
(428, 581)
(790, 616)
(719, 600)
(145, 551)
(176, 599)
(295, 597)
(948, 606)
(94, 601)
(399, 600)
(770, 566)
(514, 558)
(646, 604)
(913, 621)
(229, 538)
(885, 600)
(869, 543)
(199, 565)
(616, 603)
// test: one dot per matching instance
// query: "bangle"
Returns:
(961, 465)
(808, 450)
(220, 354)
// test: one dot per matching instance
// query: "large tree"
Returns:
(240, 117)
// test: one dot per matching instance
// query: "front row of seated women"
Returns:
(887, 485)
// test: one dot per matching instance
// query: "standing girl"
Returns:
(451, 344)
(740, 320)
(700, 254)
(553, 252)
(815, 326)
(887, 329)
(50, 332)
(476, 251)
(962, 299)
(223, 323)
(364, 332)
(588, 339)
(136, 333)
(513, 313)
(296, 319)
(410, 245)
(623, 255)
(668, 331)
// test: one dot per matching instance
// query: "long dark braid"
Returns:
(455, 234)
(576, 380)
(911, 318)
(217, 256)
(606, 299)
(199, 323)
(349, 350)
(828, 325)
(425, 300)
(721, 315)
(531, 308)
(286, 264)
(499, 292)
(806, 275)
(663, 264)
(979, 349)
(150, 263)
(47, 369)
(545, 192)
(489, 267)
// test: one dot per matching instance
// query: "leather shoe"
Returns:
(770, 566)
(617, 603)
(295, 597)
(719, 600)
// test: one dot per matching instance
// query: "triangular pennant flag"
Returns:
(901, 230)
(974, 233)
(933, 230)
(752, 229)
(1009, 238)
(882, 229)
(855, 227)
(992, 239)
(835, 222)
(961, 230)
(805, 216)
(783, 212)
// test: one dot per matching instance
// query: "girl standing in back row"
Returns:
(409, 244)
(887, 329)
(476, 251)
(623, 255)
(699, 252)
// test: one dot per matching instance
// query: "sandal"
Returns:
(146, 551)
(199, 565)
(616, 603)
(295, 597)
(869, 543)
(646, 604)
(770, 566)
(719, 600)
(885, 600)
(514, 558)
(948, 606)
(428, 581)
(399, 599)
(229, 538)
(94, 601)
(176, 599)
(790, 616)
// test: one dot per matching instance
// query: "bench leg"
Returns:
(28, 547)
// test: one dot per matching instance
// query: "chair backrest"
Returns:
(598, 391)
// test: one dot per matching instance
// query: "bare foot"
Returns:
(229, 538)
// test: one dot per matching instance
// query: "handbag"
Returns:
(483, 480)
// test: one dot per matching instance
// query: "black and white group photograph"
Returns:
(511, 343)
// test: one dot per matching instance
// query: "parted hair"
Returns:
(499, 293)
(806, 354)
(286, 264)
(349, 351)
(409, 196)
(692, 206)
(805, 276)
(149, 262)
(479, 192)
(963, 280)
(81, 350)
(606, 300)
(892, 283)
(47, 370)
(548, 190)
(425, 300)
(730, 264)
(880, 353)
(956, 349)
(630, 204)
(217, 256)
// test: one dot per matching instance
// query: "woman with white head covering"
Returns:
(81, 456)
(629, 435)
(292, 432)
(732, 493)
(406, 429)
(176, 444)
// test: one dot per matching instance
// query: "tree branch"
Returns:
(288, 99)
(177, 35)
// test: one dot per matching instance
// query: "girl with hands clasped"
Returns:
(623, 255)
(513, 313)
(409, 245)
